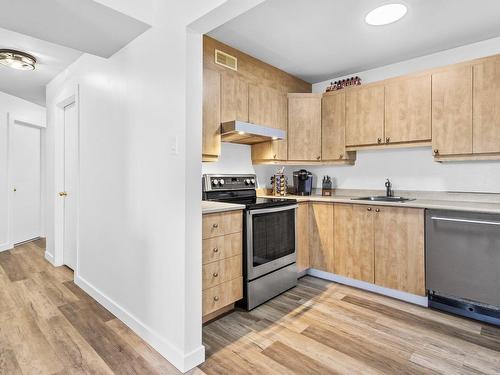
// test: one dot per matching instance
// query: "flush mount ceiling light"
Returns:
(17, 59)
(386, 14)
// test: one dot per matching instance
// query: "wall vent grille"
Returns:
(226, 60)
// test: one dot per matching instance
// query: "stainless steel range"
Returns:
(269, 236)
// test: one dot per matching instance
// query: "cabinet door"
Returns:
(211, 115)
(408, 109)
(234, 98)
(274, 150)
(399, 249)
(452, 111)
(302, 237)
(365, 115)
(486, 128)
(321, 236)
(333, 126)
(304, 127)
(354, 253)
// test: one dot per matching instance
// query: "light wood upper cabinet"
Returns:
(211, 114)
(303, 262)
(452, 111)
(353, 226)
(486, 112)
(408, 109)
(399, 249)
(321, 236)
(234, 98)
(365, 115)
(333, 127)
(275, 111)
(304, 127)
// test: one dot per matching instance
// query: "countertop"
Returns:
(210, 207)
(456, 205)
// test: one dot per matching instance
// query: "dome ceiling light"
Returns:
(17, 59)
(386, 14)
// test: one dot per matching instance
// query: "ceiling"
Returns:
(322, 39)
(51, 60)
(57, 32)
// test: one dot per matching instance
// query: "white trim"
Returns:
(11, 121)
(160, 344)
(49, 257)
(6, 246)
(407, 297)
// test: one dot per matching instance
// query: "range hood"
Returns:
(249, 134)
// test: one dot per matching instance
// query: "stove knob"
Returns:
(247, 181)
(252, 181)
(215, 182)
(221, 182)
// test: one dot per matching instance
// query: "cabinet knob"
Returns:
(369, 209)
(436, 152)
(388, 139)
(216, 298)
(274, 156)
(215, 225)
(318, 157)
(216, 250)
(377, 210)
(15, 190)
(215, 274)
(379, 140)
(341, 156)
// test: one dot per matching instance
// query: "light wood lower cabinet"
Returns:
(222, 262)
(321, 236)
(399, 249)
(354, 242)
(302, 227)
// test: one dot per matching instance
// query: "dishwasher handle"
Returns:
(468, 221)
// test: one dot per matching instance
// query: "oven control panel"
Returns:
(228, 182)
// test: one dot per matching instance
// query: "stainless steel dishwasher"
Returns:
(463, 263)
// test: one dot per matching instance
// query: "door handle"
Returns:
(63, 194)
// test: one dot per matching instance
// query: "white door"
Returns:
(26, 166)
(70, 184)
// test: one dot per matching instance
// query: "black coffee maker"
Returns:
(303, 182)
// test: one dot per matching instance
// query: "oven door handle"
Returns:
(272, 209)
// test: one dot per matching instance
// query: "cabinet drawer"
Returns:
(220, 224)
(221, 271)
(222, 295)
(222, 247)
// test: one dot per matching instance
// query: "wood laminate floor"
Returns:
(50, 326)
(324, 328)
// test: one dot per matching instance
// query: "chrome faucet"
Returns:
(388, 189)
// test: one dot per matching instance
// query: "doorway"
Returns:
(26, 182)
(69, 192)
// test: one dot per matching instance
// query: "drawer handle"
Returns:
(216, 250)
(377, 210)
(369, 209)
(485, 222)
(215, 274)
(216, 298)
(215, 225)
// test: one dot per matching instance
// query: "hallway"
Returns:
(48, 325)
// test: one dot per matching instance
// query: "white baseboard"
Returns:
(408, 297)
(49, 257)
(183, 362)
(6, 246)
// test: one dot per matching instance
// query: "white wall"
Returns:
(139, 239)
(409, 169)
(18, 109)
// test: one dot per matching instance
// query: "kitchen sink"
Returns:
(383, 198)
